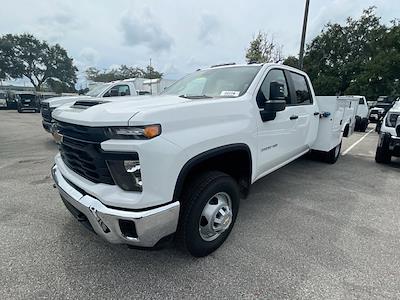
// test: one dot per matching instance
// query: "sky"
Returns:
(179, 36)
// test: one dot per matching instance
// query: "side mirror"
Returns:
(123, 94)
(276, 91)
(274, 105)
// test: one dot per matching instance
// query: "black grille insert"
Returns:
(46, 112)
(81, 152)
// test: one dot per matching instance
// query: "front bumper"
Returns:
(147, 227)
(48, 126)
(394, 145)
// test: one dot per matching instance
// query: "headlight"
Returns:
(134, 132)
(391, 119)
(126, 173)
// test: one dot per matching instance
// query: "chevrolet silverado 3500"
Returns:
(139, 172)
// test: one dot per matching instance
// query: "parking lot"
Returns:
(309, 230)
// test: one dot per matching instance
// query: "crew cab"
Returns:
(103, 90)
(175, 165)
(389, 136)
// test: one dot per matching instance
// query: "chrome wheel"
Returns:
(216, 216)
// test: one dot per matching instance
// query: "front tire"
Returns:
(382, 155)
(210, 204)
(363, 124)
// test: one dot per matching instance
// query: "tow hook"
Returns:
(101, 223)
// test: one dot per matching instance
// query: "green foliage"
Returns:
(123, 72)
(291, 61)
(360, 57)
(263, 49)
(24, 55)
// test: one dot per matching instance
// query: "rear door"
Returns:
(307, 112)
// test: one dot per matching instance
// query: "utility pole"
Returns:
(151, 83)
(303, 35)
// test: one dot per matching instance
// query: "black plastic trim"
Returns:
(203, 157)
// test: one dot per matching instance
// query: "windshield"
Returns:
(95, 91)
(218, 82)
(2, 96)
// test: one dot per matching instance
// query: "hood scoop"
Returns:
(84, 104)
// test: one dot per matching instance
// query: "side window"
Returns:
(118, 90)
(275, 75)
(123, 90)
(303, 93)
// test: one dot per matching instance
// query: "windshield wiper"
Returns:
(194, 96)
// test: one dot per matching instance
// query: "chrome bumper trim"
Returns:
(151, 225)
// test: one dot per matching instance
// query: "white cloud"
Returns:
(209, 26)
(181, 35)
(145, 30)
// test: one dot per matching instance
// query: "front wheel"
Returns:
(364, 124)
(210, 204)
(382, 154)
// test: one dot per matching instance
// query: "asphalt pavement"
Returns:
(307, 231)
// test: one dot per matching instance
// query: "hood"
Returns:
(58, 101)
(114, 113)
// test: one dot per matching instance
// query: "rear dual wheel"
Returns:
(333, 155)
(210, 204)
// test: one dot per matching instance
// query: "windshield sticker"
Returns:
(230, 93)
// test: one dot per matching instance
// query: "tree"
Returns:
(291, 61)
(6, 54)
(359, 57)
(151, 73)
(122, 72)
(263, 49)
(36, 60)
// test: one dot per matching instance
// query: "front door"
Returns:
(277, 141)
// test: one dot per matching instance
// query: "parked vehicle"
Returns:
(375, 114)
(389, 136)
(139, 172)
(11, 100)
(362, 113)
(27, 101)
(3, 99)
(350, 106)
(384, 104)
(102, 90)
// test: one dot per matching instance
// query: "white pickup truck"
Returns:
(109, 90)
(175, 165)
(389, 136)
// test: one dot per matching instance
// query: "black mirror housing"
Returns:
(276, 91)
(274, 105)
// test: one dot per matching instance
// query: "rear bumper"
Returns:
(138, 228)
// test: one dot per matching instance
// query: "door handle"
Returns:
(316, 113)
(294, 117)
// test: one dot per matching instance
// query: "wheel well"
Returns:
(234, 160)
